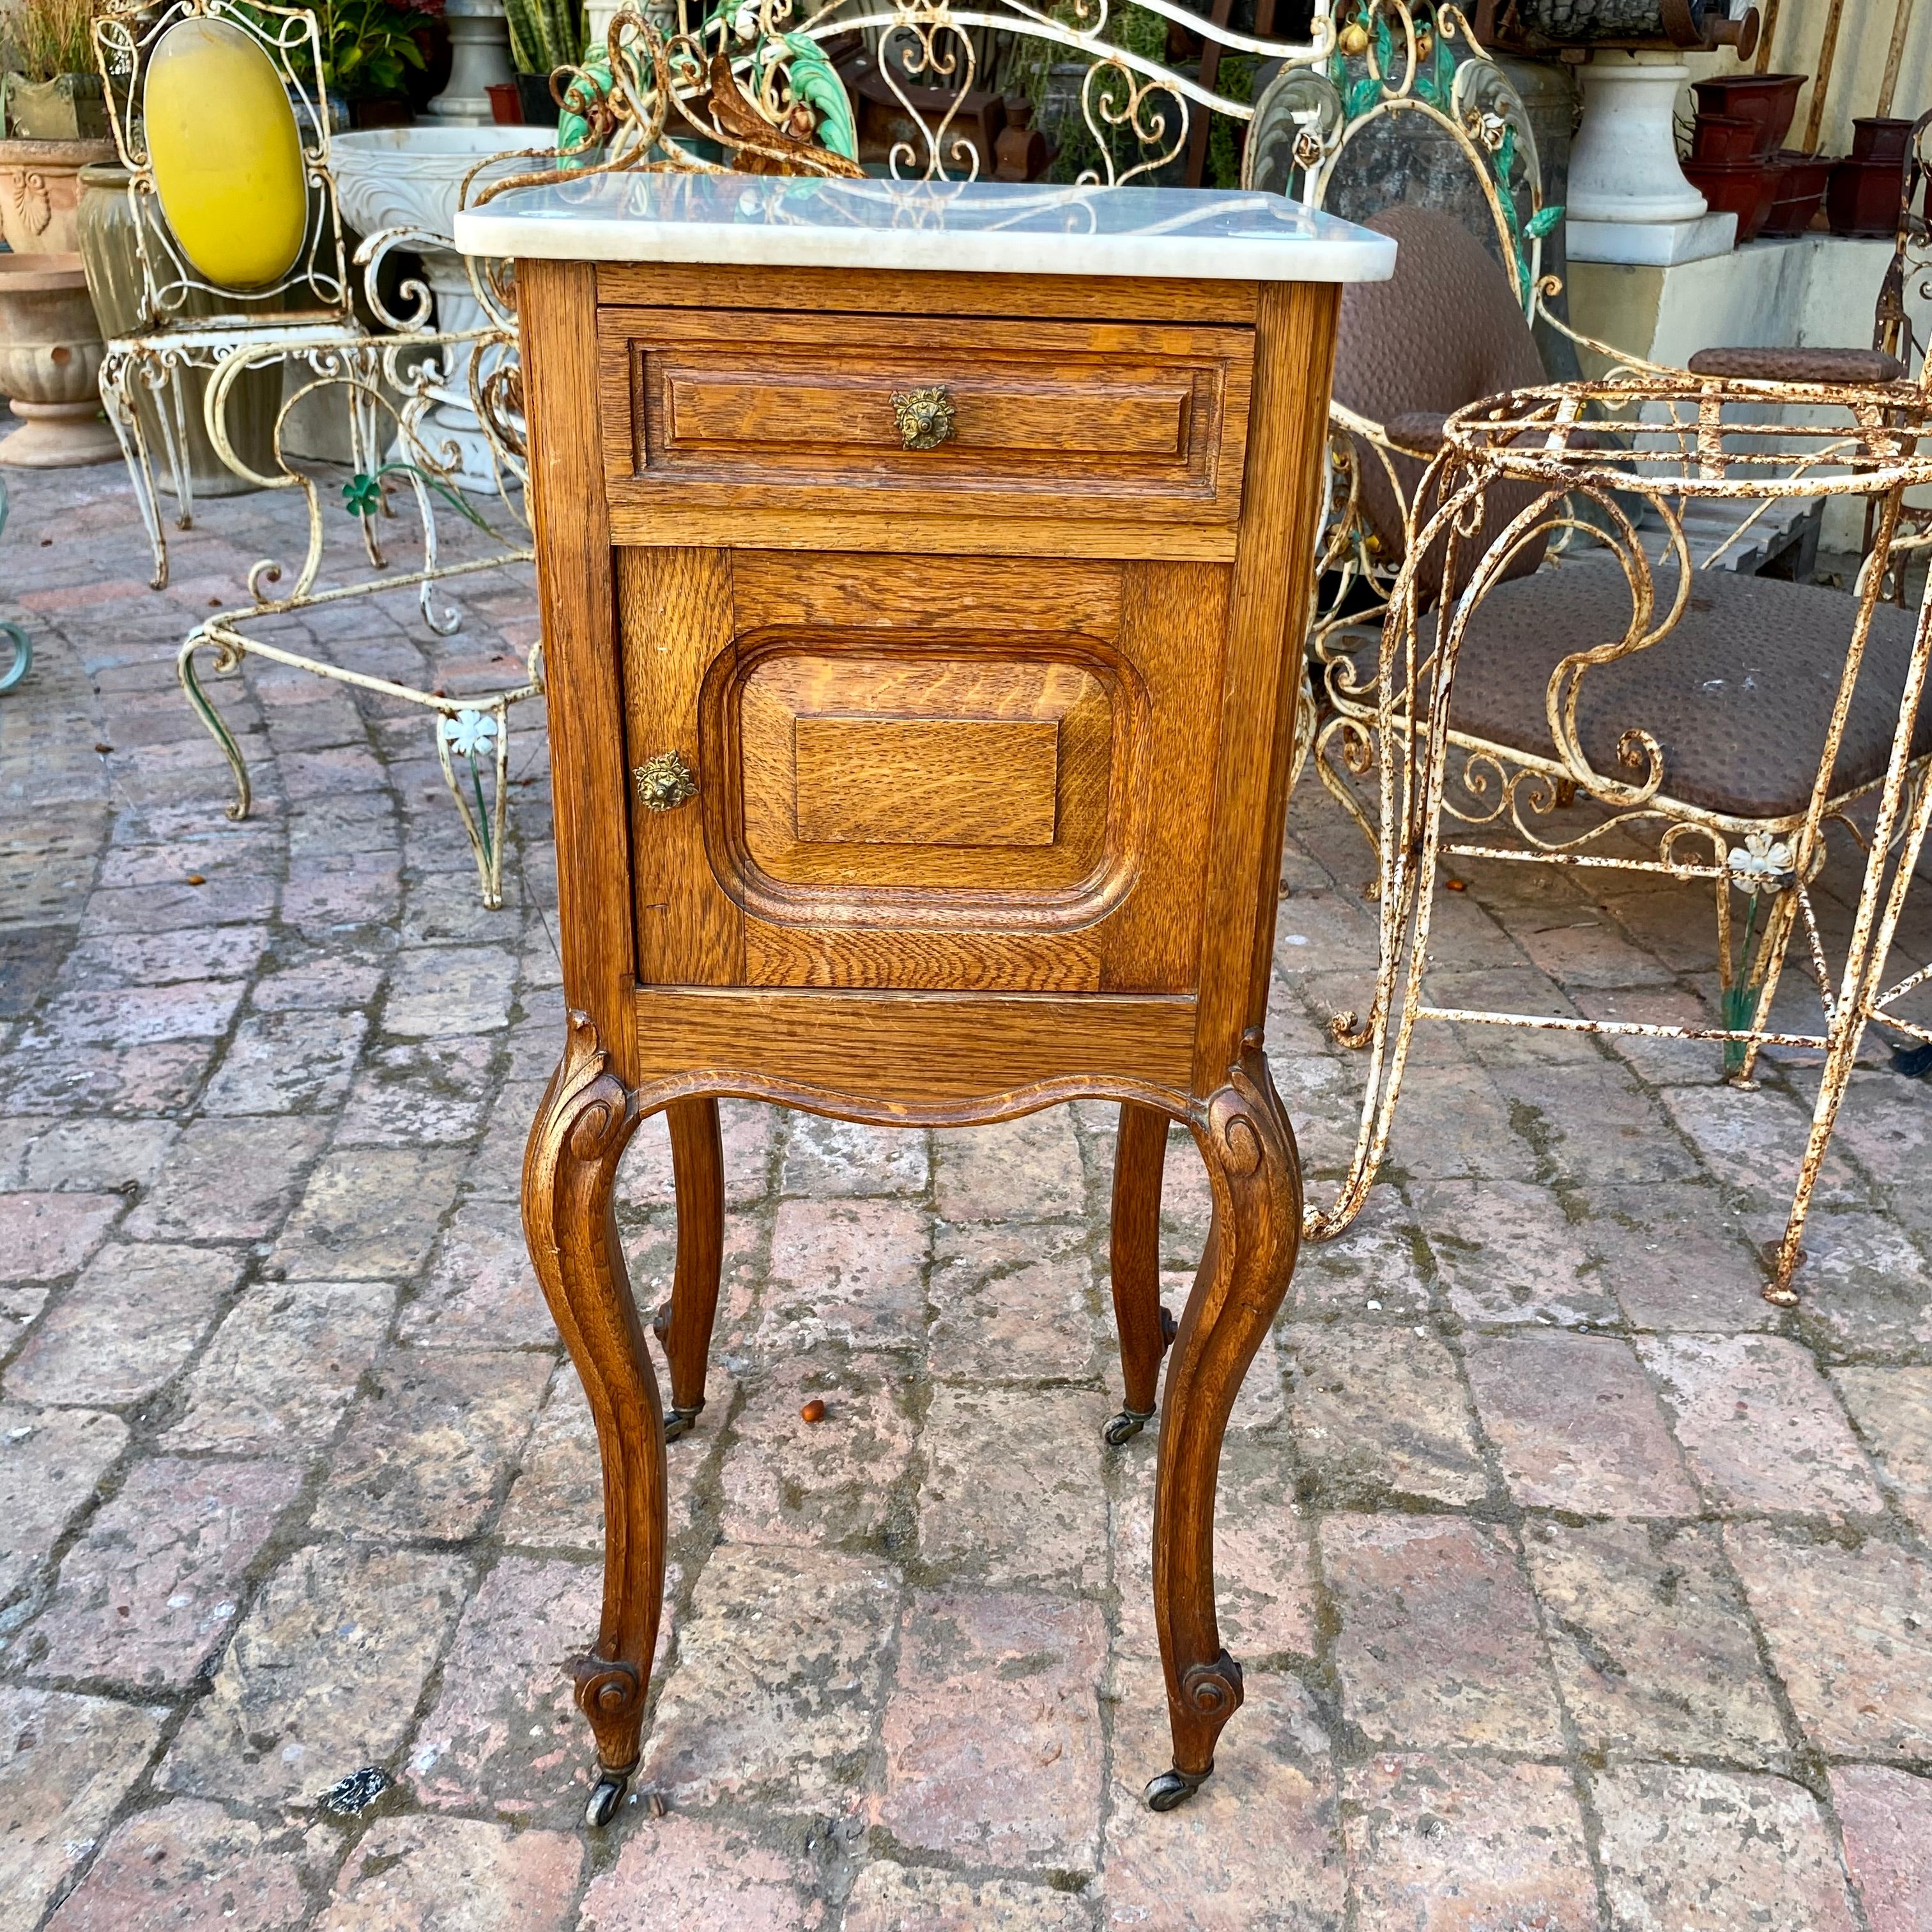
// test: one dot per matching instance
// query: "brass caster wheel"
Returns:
(1174, 1787)
(1125, 1426)
(606, 1795)
(680, 1422)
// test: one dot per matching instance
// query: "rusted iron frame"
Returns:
(1486, 444)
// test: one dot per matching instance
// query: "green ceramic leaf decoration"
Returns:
(1362, 96)
(573, 131)
(1443, 62)
(1384, 47)
(1544, 220)
(815, 82)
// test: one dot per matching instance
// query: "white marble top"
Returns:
(976, 227)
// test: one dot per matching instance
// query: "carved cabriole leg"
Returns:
(1139, 1157)
(684, 1325)
(581, 1130)
(1245, 1139)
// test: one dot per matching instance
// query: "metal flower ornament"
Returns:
(479, 738)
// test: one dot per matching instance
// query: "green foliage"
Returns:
(545, 34)
(364, 494)
(368, 47)
(1543, 221)
(43, 39)
(1141, 31)
(1437, 75)
(815, 82)
(1235, 81)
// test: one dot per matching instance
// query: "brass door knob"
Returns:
(664, 782)
(925, 416)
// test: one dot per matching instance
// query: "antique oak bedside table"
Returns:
(924, 569)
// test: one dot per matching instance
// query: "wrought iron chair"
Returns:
(304, 317)
(1405, 93)
(1721, 722)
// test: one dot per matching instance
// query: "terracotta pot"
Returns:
(1745, 189)
(70, 107)
(1864, 197)
(1716, 137)
(50, 354)
(1768, 99)
(1800, 192)
(40, 191)
(106, 230)
(506, 109)
(1876, 139)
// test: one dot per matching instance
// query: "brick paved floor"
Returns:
(1577, 1587)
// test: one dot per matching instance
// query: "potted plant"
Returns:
(370, 50)
(544, 35)
(53, 92)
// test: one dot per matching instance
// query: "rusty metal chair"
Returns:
(1721, 723)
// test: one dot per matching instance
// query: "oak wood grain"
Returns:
(1269, 609)
(1140, 1160)
(583, 691)
(987, 783)
(912, 597)
(795, 705)
(906, 959)
(1173, 626)
(837, 292)
(940, 1049)
(675, 619)
(806, 525)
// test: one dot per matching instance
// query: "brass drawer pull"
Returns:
(664, 782)
(925, 416)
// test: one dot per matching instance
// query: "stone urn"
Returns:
(479, 46)
(40, 193)
(50, 355)
(113, 265)
(413, 178)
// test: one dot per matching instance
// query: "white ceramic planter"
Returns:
(1623, 164)
(1627, 199)
(412, 178)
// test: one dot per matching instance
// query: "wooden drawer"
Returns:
(1059, 422)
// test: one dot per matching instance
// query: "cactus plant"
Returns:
(545, 34)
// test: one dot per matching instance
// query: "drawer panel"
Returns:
(1026, 833)
(1068, 421)
(964, 766)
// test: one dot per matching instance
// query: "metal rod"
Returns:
(1901, 25)
(1821, 81)
(1620, 1029)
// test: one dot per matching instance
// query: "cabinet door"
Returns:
(984, 773)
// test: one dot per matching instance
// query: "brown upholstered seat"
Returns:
(1739, 695)
(1444, 331)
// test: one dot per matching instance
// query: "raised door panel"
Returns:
(914, 775)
